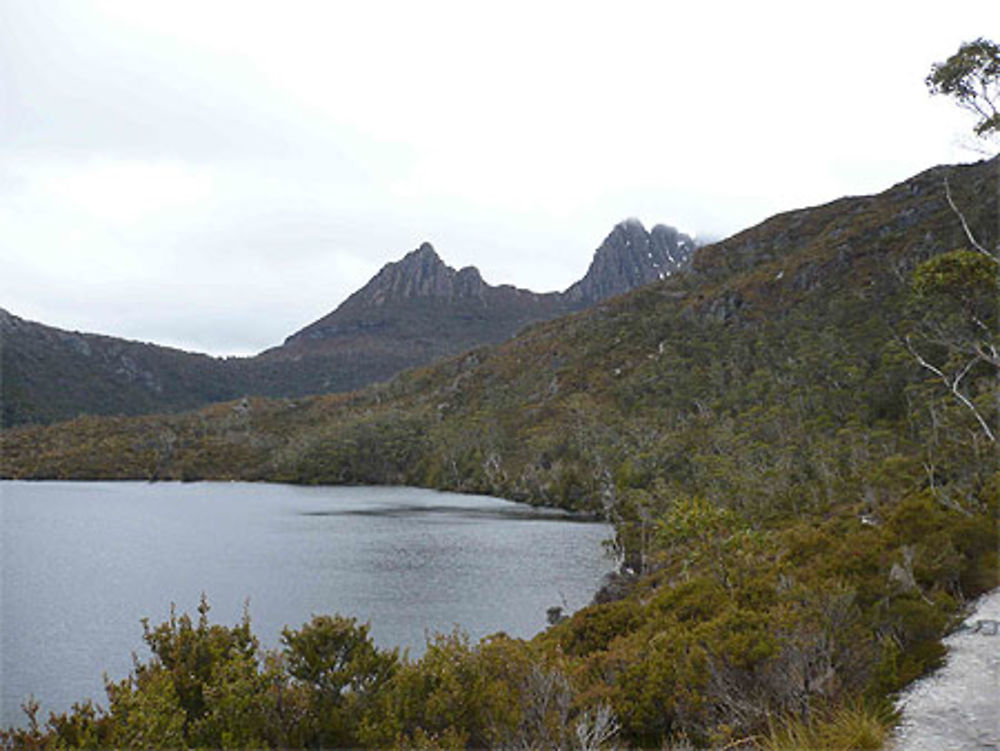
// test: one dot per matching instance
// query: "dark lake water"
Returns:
(82, 563)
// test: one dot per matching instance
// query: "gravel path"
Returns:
(957, 708)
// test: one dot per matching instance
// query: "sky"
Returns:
(216, 175)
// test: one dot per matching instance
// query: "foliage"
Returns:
(955, 303)
(854, 727)
(961, 275)
(334, 661)
(972, 77)
(800, 510)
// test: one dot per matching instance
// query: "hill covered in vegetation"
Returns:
(49, 374)
(799, 324)
(413, 312)
(795, 442)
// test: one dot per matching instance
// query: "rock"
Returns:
(986, 627)
(903, 574)
(630, 257)
(555, 615)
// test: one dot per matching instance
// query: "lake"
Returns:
(81, 563)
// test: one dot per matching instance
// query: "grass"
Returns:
(853, 727)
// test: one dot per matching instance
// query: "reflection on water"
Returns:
(82, 563)
(458, 513)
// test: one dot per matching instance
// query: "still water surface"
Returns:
(82, 563)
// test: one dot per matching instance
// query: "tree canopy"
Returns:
(972, 77)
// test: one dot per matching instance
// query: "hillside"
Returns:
(804, 311)
(414, 311)
(801, 507)
(48, 374)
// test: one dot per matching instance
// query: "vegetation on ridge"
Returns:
(971, 77)
(801, 505)
(412, 312)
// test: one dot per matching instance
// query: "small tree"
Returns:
(972, 77)
(335, 660)
(960, 288)
(701, 534)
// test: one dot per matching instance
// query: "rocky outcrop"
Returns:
(412, 312)
(631, 257)
(420, 295)
(419, 274)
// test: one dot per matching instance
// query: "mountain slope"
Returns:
(48, 374)
(631, 257)
(800, 507)
(802, 315)
(414, 311)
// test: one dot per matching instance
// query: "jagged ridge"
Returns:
(414, 311)
(631, 257)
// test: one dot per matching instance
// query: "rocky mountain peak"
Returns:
(424, 254)
(420, 273)
(469, 283)
(630, 227)
(419, 276)
(631, 256)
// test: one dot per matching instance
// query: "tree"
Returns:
(972, 77)
(956, 296)
(335, 660)
(960, 288)
(703, 534)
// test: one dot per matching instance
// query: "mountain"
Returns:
(392, 303)
(419, 309)
(810, 304)
(630, 257)
(48, 374)
(414, 311)
(795, 442)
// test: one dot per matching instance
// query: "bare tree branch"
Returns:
(953, 384)
(988, 353)
(965, 225)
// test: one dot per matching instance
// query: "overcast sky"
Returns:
(216, 175)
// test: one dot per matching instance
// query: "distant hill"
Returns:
(800, 507)
(414, 311)
(49, 374)
(802, 315)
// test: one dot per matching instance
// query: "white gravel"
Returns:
(957, 708)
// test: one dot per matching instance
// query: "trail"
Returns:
(957, 708)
